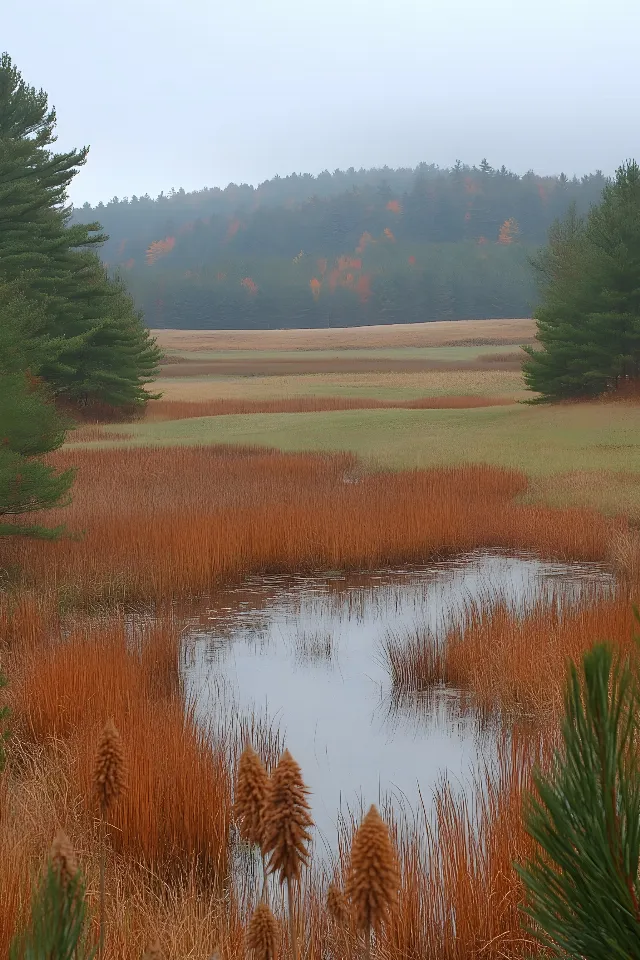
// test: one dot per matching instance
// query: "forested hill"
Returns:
(351, 247)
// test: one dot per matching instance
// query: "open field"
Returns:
(344, 363)
(383, 386)
(582, 454)
(438, 334)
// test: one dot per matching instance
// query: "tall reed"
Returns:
(192, 518)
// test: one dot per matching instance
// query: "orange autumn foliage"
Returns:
(508, 231)
(388, 234)
(364, 242)
(394, 206)
(159, 248)
(249, 286)
(315, 285)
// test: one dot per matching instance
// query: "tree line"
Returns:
(352, 247)
(69, 335)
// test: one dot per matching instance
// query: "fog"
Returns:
(204, 93)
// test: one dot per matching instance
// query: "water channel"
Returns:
(307, 653)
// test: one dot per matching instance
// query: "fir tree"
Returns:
(589, 319)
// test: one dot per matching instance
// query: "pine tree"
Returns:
(589, 319)
(29, 423)
(103, 351)
(583, 886)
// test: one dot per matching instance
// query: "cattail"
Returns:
(374, 876)
(109, 783)
(153, 951)
(251, 792)
(286, 830)
(287, 820)
(110, 770)
(337, 905)
(262, 934)
(63, 859)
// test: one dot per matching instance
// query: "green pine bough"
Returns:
(57, 928)
(583, 890)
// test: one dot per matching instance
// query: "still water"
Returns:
(307, 653)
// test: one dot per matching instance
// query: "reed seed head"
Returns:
(262, 934)
(374, 876)
(110, 770)
(287, 820)
(252, 784)
(63, 859)
(153, 951)
(337, 905)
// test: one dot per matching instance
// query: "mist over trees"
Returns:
(343, 248)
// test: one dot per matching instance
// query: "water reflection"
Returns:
(307, 653)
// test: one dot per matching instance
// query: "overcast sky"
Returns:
(195, 93)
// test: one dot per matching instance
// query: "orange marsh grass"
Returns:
(174, 817)
(164, 523)
(158, 523)
(511, 662)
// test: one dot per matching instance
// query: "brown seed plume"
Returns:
(252, 785)
(63, 859)
(374, 876)
(337, 905)
(110, 770)
(153, 951)
(262, 934)
(287, 819)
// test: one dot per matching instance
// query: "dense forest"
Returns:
(343, 248)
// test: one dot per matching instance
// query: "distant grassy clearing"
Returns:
(441, 333)
(390, 353)
(572, 453)
(384, 386)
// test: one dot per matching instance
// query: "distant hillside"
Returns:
(347, 248)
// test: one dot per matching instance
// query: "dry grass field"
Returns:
(382, 386)
(439, 334)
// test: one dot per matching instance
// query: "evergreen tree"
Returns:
(589, 320)
(29, 423)
(583, 886)
(103, 351)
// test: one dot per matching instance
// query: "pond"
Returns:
(308, 654)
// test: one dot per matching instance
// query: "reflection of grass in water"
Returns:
(314, 646)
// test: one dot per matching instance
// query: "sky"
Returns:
(206, 92)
